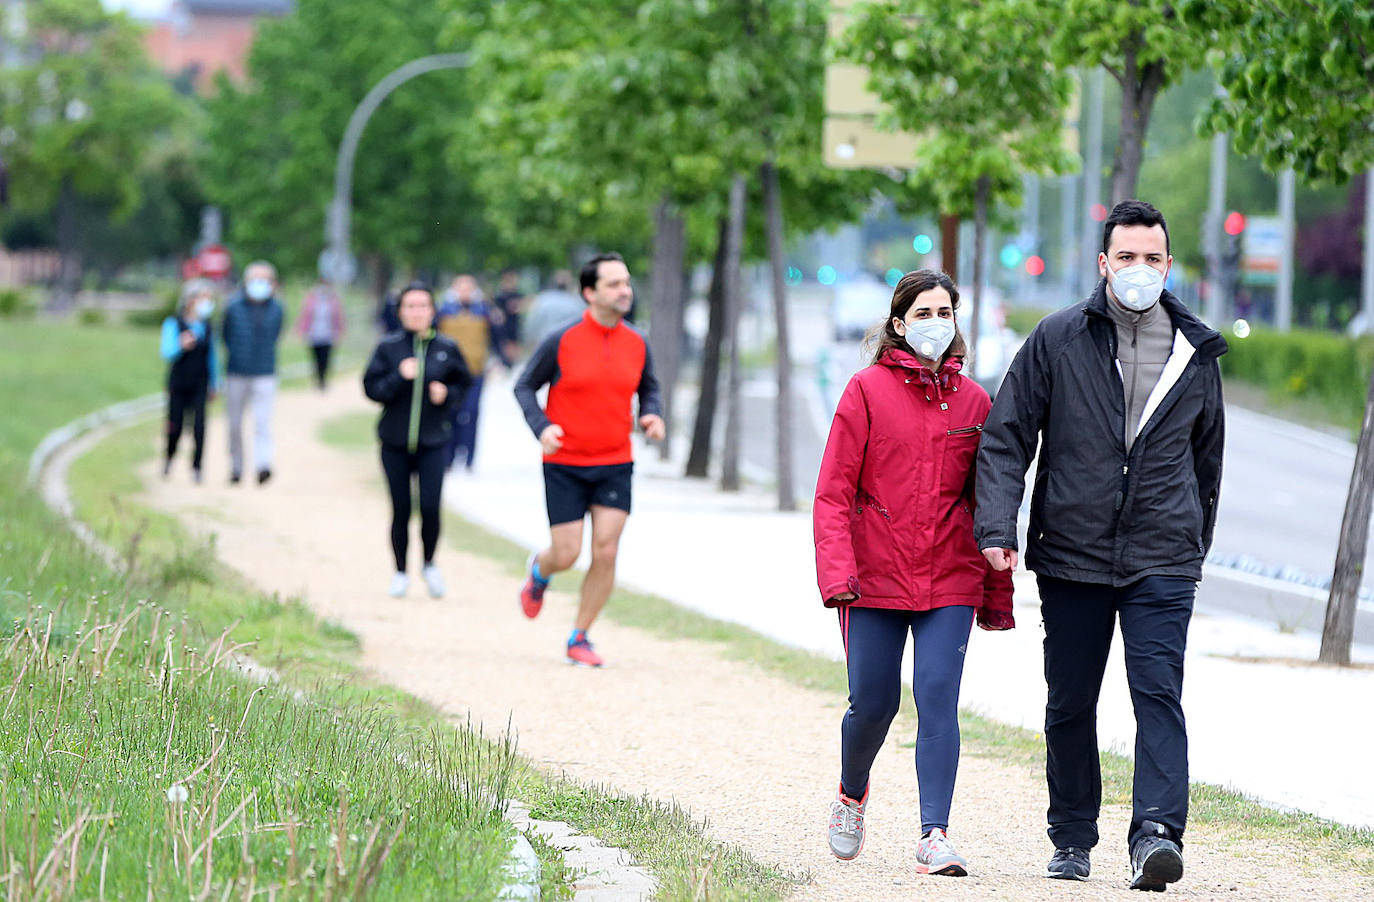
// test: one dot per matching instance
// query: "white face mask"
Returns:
(930, 338)
(204, 308)
(258, 289)
(1137, 287)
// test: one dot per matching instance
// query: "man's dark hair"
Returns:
(591, 270)
(1133, 212)
(416, 285)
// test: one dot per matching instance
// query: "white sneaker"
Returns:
(935, 855)
(400, 583)
(434, 581)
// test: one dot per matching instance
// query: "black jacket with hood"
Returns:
(409, 420)
(1098, 513)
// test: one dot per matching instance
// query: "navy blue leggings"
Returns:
(873, 644)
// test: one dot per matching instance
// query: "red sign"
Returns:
(214, 261)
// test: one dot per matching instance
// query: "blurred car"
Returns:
(859, 304)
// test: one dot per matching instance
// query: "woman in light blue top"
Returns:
(193, 372)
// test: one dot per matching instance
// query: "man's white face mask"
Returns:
(1137, 287)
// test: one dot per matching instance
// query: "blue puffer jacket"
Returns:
(251, 330)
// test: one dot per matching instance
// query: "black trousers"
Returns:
(181, 401)
(321, 353)
(1079, 622)
(425, 466)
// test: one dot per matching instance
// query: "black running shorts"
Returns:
(569, 491)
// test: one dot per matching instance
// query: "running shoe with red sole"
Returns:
(580, 651)
(532, 594)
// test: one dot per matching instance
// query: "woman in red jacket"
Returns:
(895, 554)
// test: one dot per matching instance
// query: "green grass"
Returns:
(111, 702)
(1233, 816)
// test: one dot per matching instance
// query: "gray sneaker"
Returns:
(434, 581)
(400, 583)
(935, 855)
(847, 825)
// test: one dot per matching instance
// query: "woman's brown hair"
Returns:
(884, 336)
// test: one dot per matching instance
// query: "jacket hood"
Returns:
(1207, 341)
(899, 359)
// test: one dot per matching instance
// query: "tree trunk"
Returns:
(1339, 630)
(980, 238)
(69, 264)
(772, 199)
(949, 246)
(665, 333)
(734, 303)
(699, 460)
(1139, 89)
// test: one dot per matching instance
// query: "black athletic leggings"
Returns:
(181, 401)
(400, 465)
(321, 353)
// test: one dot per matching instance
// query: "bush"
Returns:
(1306, 366)
(15, 302)
(1022, 320)
(91, 316)
(152, 317)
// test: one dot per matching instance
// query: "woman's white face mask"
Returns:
(929, 338)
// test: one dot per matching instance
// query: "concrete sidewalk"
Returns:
(1275, 728)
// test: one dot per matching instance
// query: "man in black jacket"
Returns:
(1123, 393)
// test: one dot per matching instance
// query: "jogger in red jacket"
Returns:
(893, 520)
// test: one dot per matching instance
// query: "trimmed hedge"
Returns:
(1305, 366)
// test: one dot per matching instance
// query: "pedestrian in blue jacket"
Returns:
(252, 325)
(188, 346)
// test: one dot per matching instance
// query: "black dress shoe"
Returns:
(263, 476)
(235, 478)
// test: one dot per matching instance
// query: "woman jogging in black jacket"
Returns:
(416, 375)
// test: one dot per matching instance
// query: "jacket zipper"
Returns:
(419, 346)
(964, 430)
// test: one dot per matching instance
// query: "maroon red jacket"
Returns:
(893, 515)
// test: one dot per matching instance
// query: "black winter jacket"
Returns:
(408, 419)
(1100, 514)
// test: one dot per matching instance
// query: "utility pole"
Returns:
(1283, 292)
(1367, 278)
(1092, 182)
(1217, 291)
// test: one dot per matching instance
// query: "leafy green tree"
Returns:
(1297, 76)
(81, 113)
(985, 117)
(272, 144)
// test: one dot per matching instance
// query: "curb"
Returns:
(610, 873)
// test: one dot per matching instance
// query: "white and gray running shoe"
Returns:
(400, 583)
(935, 855)
(434, 581)
(847, 825)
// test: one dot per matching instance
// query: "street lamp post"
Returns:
(336, 264)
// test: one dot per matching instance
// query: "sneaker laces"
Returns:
(1073, 853)
(938, 844)
(846, 815)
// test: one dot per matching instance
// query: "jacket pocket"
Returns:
(965, 430)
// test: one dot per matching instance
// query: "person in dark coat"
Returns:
(893, 520)
(1123, 394)
(418, 376)
(188, 346)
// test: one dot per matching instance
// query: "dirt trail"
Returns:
(754, 755)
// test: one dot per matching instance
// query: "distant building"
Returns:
(202, 37)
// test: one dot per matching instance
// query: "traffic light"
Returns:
(1233, 226)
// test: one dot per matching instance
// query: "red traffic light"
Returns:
(1035, 265)
(1234, 224)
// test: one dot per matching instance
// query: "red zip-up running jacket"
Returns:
(893, 515)
(593, 374)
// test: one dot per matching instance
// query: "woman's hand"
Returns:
(844, 598)
(188, 340)
(408, 368)
(438, 393)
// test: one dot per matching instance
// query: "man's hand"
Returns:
(188, 340)
(551, 439)
(1001, 558)
(408, 368)
(653, 427)
(438, 393)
